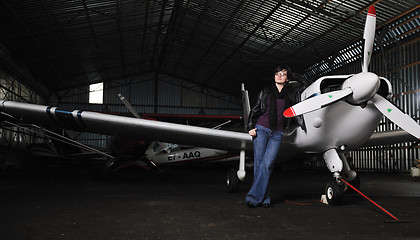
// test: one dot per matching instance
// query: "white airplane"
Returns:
(340, 112)
(158, 155)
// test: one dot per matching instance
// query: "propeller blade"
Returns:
(316, 102)
(392, 112)
(369, 37)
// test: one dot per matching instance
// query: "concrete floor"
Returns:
(193, 204)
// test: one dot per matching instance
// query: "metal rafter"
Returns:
(59, 29)
(244, 41)
(221, 32)
(263, 53)
(212, 43)
(94, 38)
(36, 41)
(120, 37)
(155, 57)
(348, 19)
(193, 32)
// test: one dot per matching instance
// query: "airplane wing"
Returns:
(126, 126)
(389, 137)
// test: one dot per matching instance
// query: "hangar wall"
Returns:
(149, 93)
(14, 81)
(400, 65)
(156, 93)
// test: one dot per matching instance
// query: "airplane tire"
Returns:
(334, 193)
(232, 180)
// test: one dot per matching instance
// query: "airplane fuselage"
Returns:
(340, 124)
(193, 154)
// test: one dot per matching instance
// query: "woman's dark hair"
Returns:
(281, 67)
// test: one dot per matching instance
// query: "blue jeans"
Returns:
(266, 147)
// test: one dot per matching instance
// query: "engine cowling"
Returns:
(364, 87)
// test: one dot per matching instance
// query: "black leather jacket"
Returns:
(292, 96)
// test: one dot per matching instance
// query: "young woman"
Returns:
(267, 123)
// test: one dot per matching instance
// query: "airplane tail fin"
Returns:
(246, 107)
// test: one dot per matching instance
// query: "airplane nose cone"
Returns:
(364, 86)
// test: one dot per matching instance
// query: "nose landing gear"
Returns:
(334, 192)
(337, 164)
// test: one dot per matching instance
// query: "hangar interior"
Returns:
(189, 57)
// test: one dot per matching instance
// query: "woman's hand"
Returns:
(253, 132)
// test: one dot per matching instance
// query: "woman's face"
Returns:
(281, 77)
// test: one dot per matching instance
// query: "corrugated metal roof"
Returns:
(214, 43)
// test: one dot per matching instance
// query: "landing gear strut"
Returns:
(338, 165)
(233, 177)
